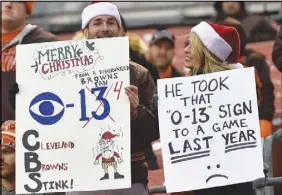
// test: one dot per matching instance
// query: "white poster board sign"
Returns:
(73, 116)
(209, 129)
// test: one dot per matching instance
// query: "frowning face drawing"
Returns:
(215, 176)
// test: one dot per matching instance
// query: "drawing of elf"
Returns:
(108, 155)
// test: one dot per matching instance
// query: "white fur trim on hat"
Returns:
(98, 9)
(210, 38)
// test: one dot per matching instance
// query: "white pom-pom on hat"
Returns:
(97, 9)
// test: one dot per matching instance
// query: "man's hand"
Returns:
(96, 162)
(132, 93)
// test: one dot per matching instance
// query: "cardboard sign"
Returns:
(73, 116)
(209, 130)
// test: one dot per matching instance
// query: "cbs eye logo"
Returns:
(46, 108)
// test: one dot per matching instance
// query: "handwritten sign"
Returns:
(73, 116)
(210, 136)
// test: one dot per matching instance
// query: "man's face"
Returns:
(162, 53)
(13, 12)
(231, 8)
(107, 148)
(102, 27)
(7, 162)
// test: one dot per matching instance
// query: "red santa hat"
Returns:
(109, 135)
(222, 41)
(99, 8)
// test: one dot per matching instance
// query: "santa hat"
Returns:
(8, 135)
(97, 9)
(109, 135)
(222, 41)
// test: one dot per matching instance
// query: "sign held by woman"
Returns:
(211, 135)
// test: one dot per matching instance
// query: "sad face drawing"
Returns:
(215, 176)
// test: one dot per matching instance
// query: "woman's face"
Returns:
(190, 59)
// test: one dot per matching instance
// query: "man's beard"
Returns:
(162, 63)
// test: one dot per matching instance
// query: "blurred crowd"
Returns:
(157, 57)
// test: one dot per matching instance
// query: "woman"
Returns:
(212, 48)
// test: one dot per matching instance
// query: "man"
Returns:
(102, 20)
(8, 144)
(277, 50)
(161, 53)
(15, 30)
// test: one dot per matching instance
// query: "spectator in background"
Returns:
(137, 50)
(161, 54)
(8, 160)
(277, 50)
(257, 28)
(265, 88)
(16, 30)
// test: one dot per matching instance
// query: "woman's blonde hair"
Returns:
(208, 61)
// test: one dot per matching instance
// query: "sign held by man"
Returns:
(73, 116)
